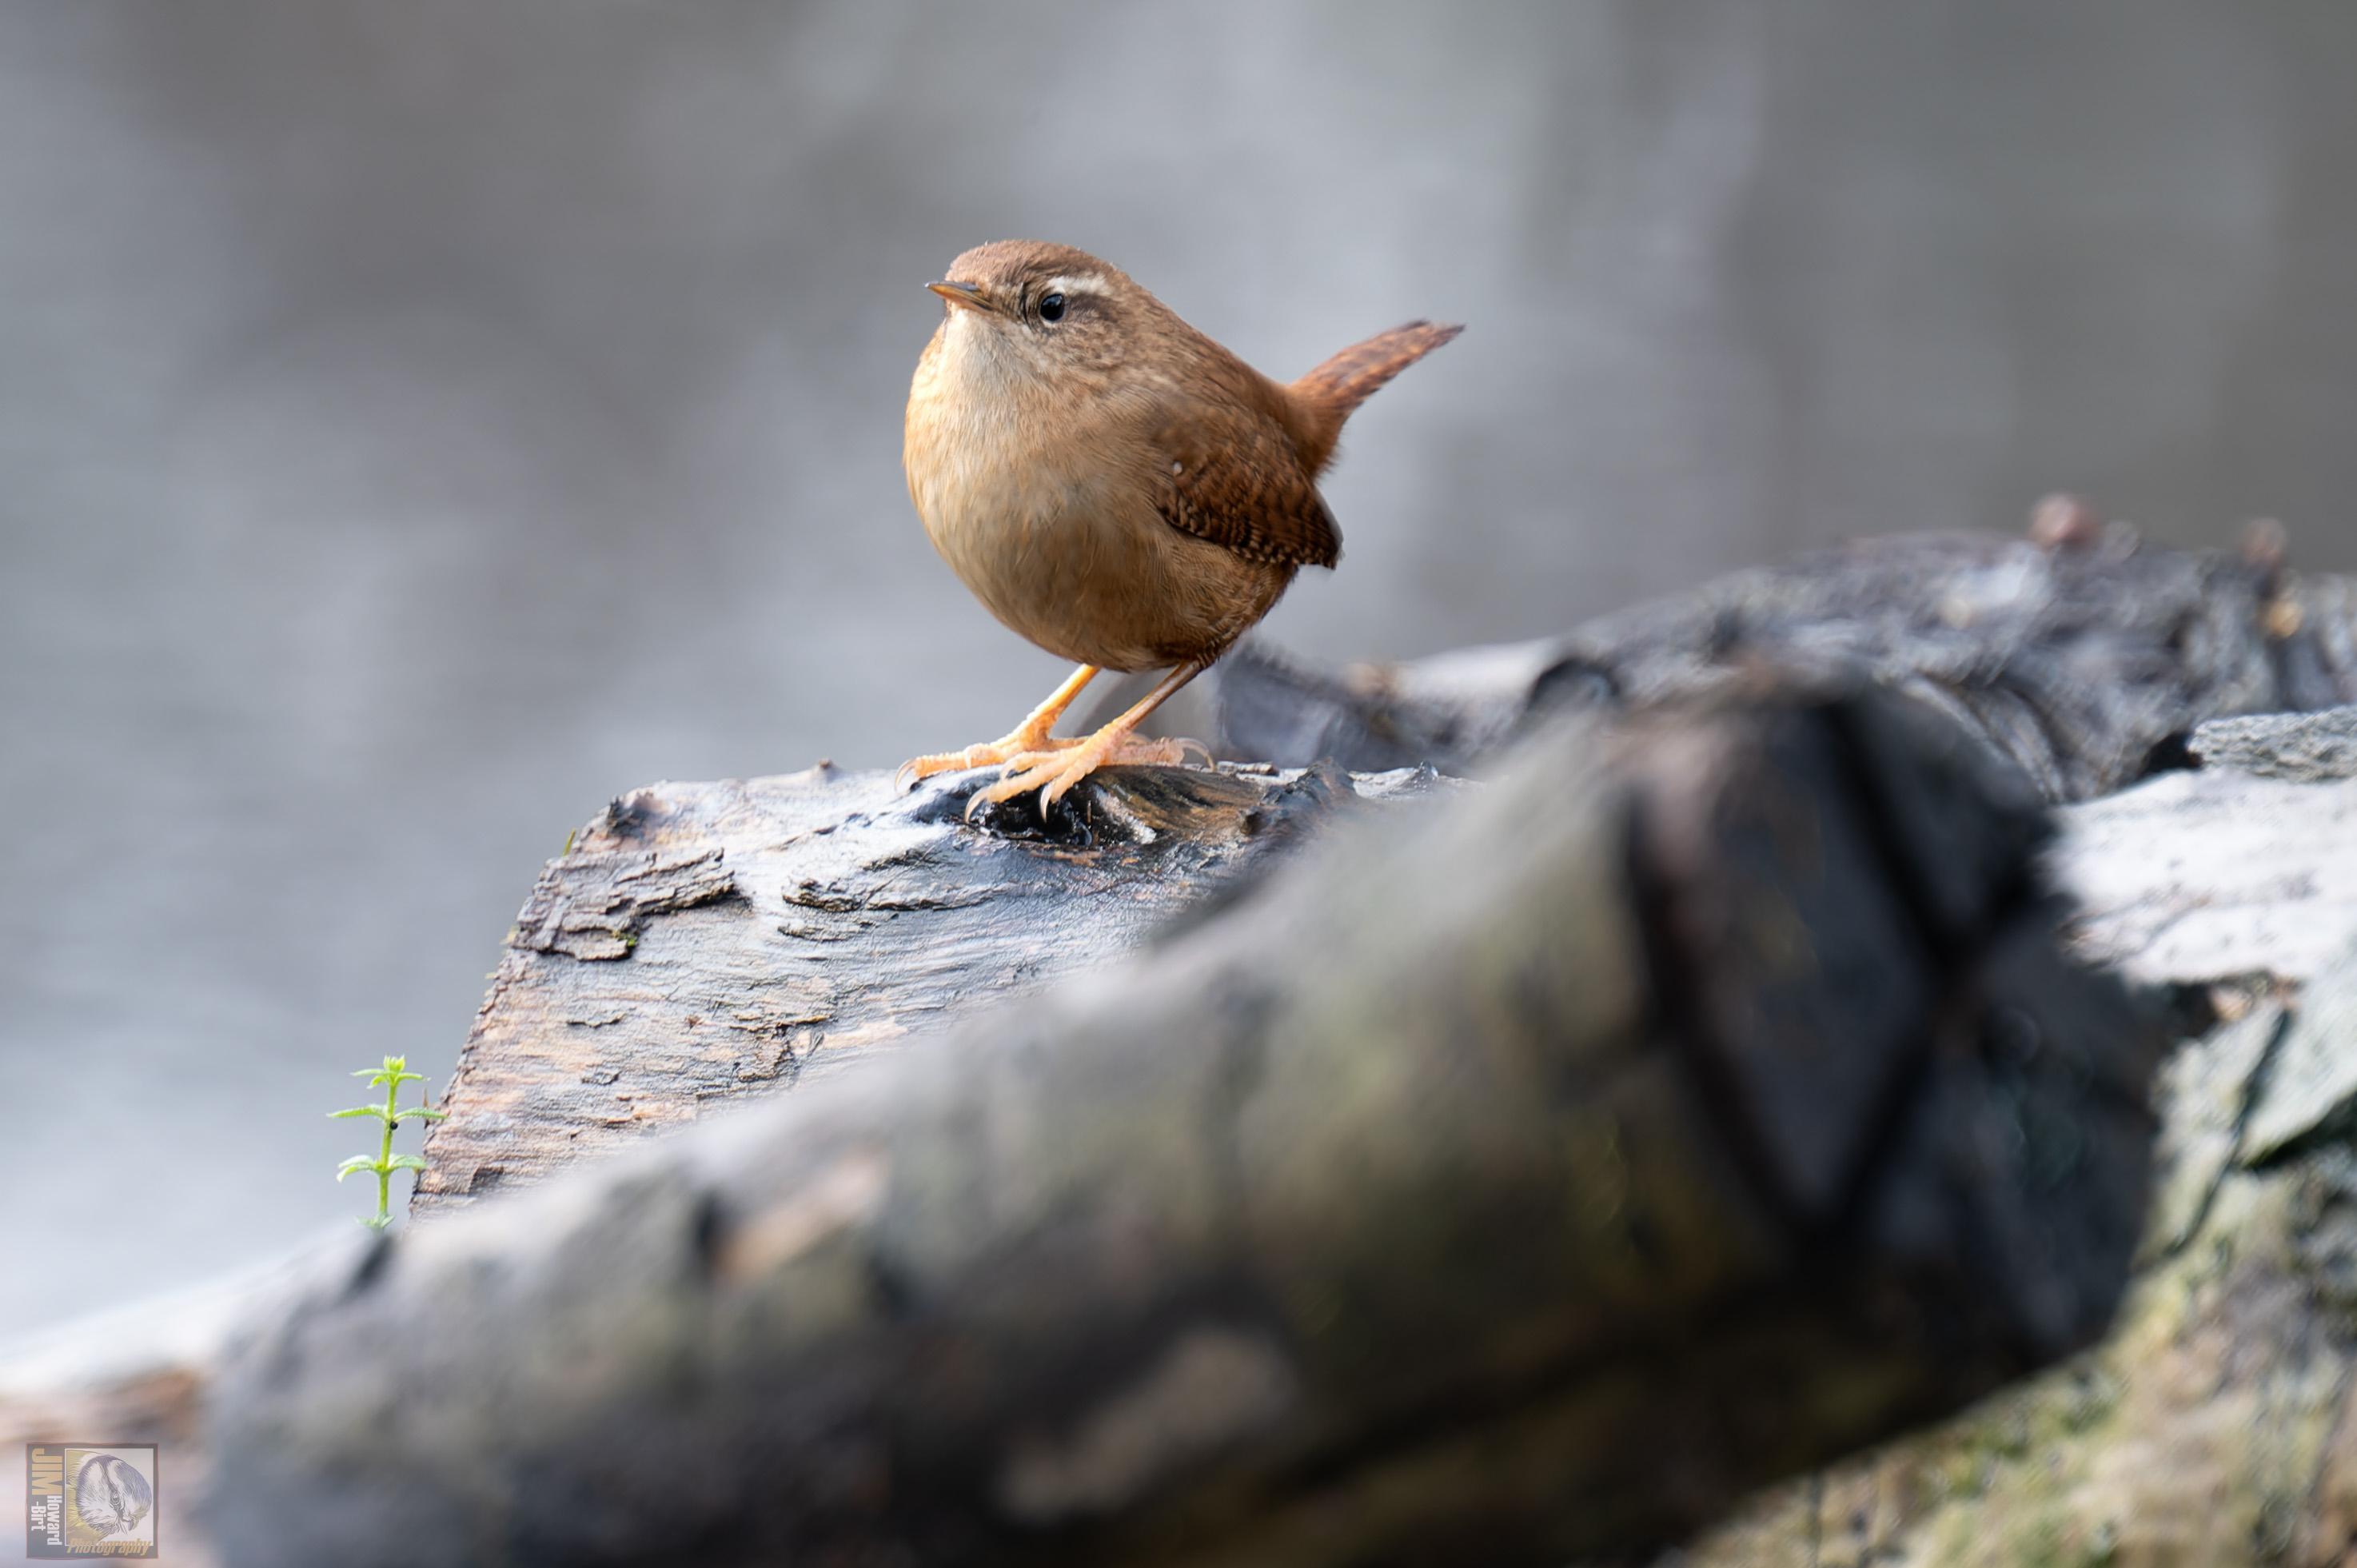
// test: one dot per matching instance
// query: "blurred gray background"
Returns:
(422, 422)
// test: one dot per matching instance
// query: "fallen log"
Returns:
(1681, 1097)
(1524, 1176)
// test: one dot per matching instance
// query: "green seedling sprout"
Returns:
(385, 1162)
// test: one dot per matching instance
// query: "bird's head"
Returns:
(1023, 308)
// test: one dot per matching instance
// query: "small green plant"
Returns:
(385, 1162)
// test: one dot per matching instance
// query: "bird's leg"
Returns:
(1054, 772)
(1030, 736)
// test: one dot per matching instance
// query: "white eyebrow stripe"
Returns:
(1083, 283)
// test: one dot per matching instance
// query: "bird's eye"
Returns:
(1051, 308)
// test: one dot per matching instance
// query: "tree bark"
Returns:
(701, 941)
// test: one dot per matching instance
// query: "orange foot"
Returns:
(1054, 772)
(989, 754)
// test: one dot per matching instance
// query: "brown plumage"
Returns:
(1114, 484)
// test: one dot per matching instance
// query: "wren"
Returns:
(1114, 485)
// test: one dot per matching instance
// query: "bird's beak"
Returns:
(969, 295)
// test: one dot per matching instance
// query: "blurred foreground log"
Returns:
(1527, 1180)
(1527, 1174)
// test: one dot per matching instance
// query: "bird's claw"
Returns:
(1054, 772)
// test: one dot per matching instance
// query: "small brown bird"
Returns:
(1114, 485)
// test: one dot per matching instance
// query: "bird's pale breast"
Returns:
(1049, 518)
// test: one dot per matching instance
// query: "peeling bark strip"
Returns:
(698, 942)
(2085, 661)
(1507, 1182)
(598, 912)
